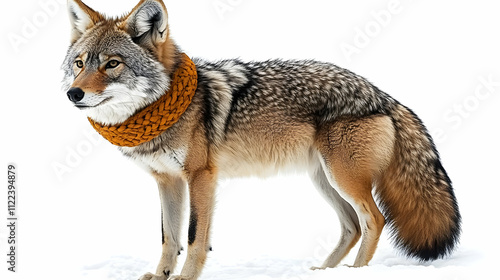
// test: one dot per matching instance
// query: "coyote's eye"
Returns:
(112, 64)
(79, 63)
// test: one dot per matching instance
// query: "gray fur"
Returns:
(304, 91)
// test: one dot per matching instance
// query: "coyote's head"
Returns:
(116, 66)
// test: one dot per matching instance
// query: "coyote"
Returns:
(190, 122)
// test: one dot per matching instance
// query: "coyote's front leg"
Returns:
(202, 195)
(172, 193)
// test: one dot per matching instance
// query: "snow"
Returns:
(99, 218)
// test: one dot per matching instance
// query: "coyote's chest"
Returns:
(164, 160)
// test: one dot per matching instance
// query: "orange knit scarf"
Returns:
(160, 115)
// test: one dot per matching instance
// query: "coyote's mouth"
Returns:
(83, 106)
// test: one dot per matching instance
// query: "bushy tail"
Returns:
(415, 193)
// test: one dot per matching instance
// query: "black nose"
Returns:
(75, 94)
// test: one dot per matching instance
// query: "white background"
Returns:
(86, 212)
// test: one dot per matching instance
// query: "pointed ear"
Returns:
(147, 23)
(82, 18)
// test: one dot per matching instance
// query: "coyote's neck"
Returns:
(160, 115)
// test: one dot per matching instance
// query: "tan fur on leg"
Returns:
(353, 152)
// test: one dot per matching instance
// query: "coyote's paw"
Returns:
(317, 268)
(351, 266)
(151, 276)
(179, 277)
